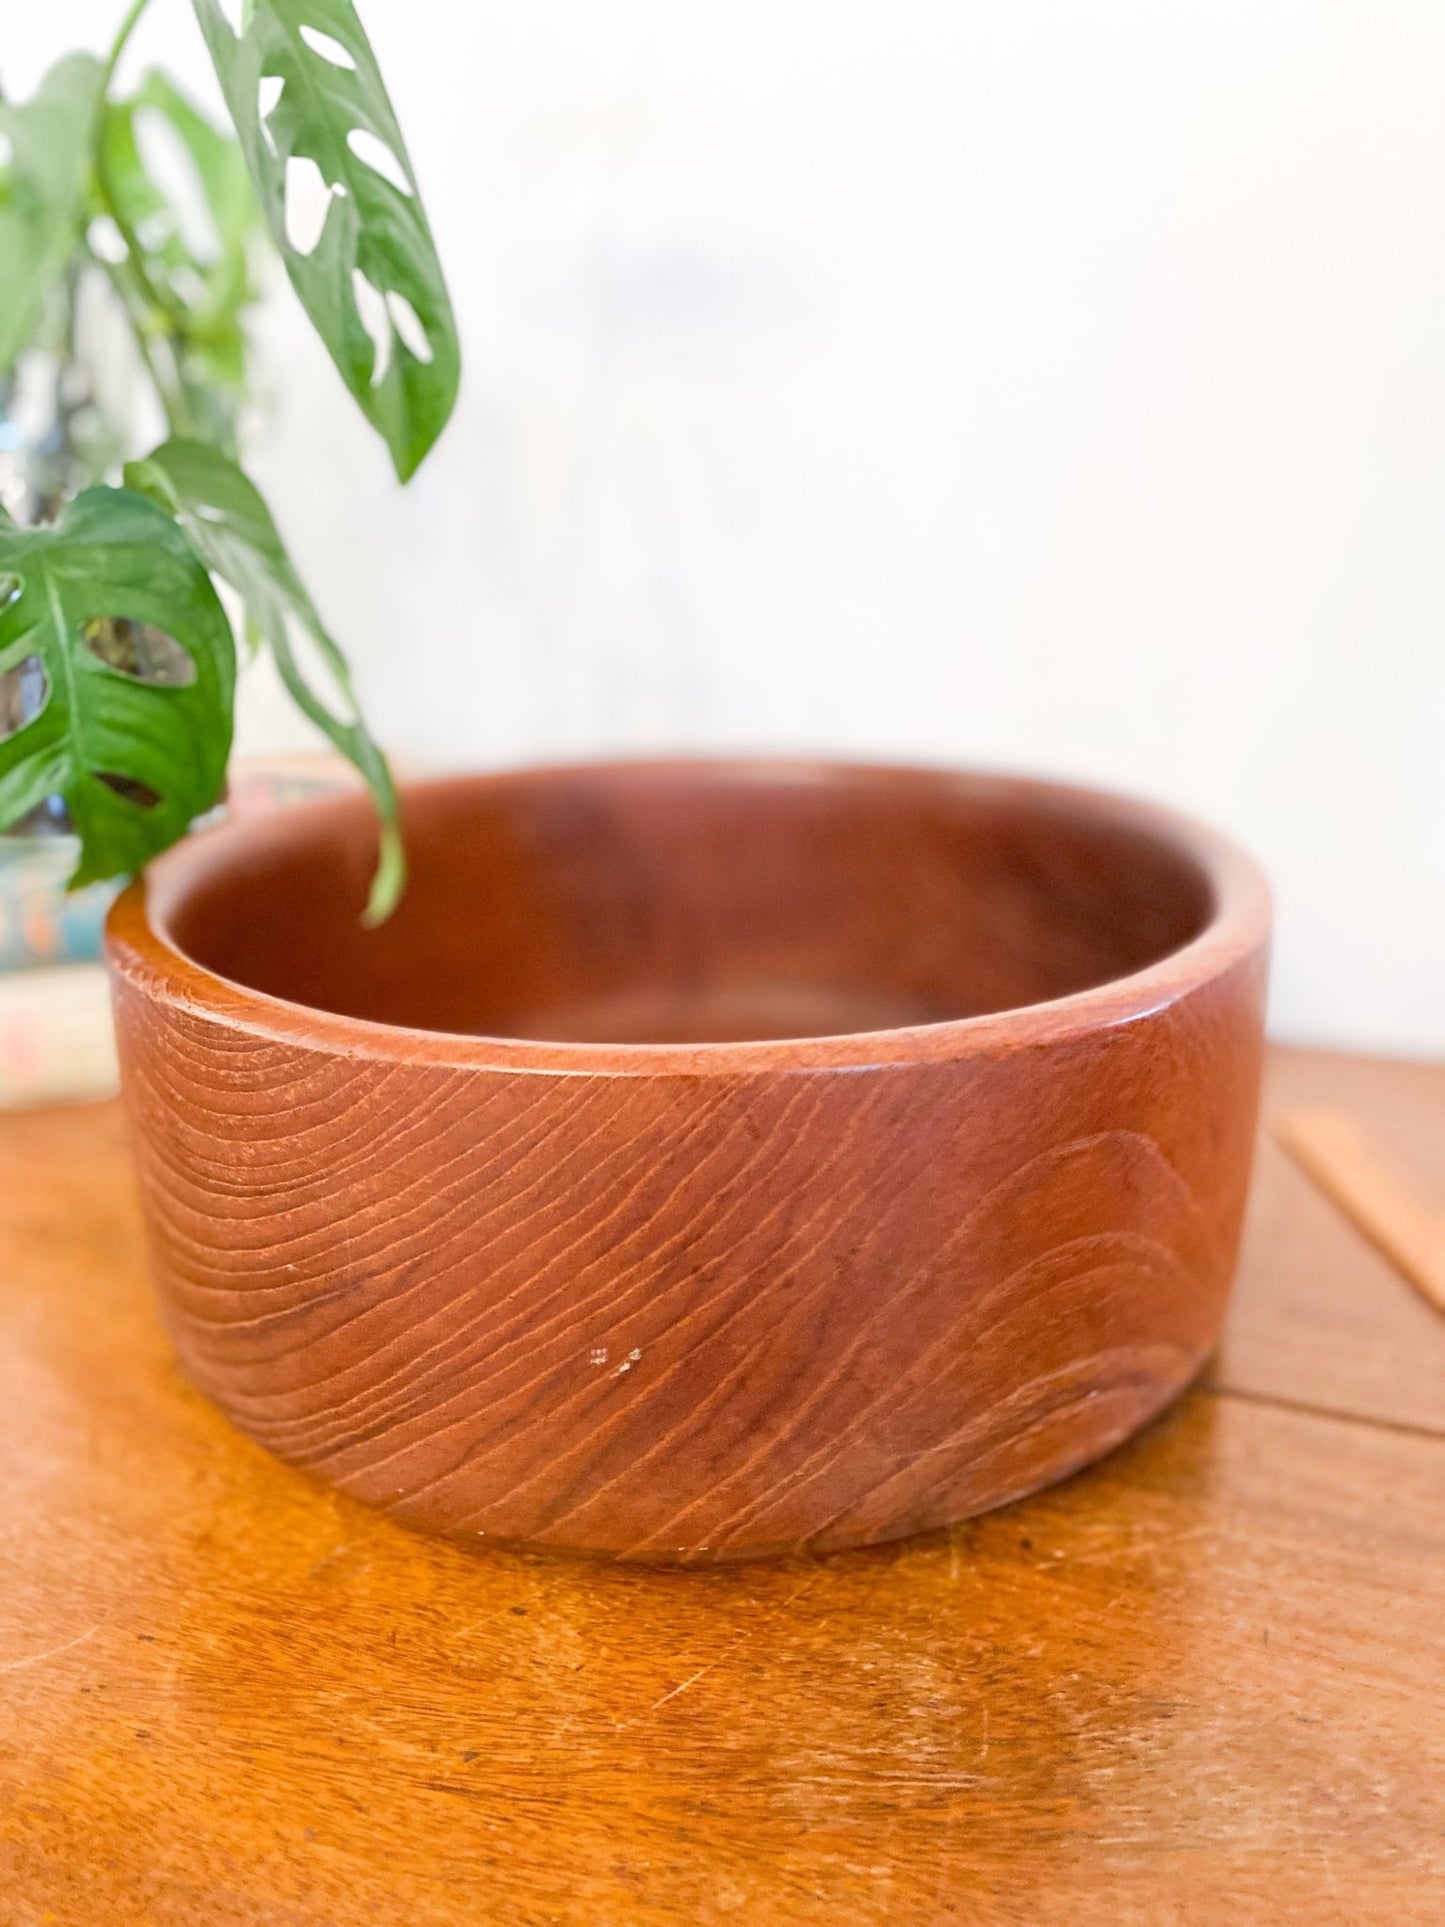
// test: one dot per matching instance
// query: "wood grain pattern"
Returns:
(1201, 1683)
(491, 1220)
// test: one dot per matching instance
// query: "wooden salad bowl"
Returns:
(709, 1159)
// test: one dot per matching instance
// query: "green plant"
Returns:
(110, 621)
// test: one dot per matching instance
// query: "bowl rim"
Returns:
(140, 949)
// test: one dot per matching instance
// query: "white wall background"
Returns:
(1058, 385)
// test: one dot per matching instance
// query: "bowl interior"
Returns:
(679, 904)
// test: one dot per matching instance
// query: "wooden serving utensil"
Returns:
(1332, 1150)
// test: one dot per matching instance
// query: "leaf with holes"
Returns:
(230, 528)
(205, 279)
(43, 188)
(116, 622)
(307, 98)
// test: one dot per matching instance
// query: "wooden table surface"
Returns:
(1202, 1682)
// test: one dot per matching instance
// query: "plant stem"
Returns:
(104, 186)
(155, 304)
(118, 45)
(170, 388)
(163, 307)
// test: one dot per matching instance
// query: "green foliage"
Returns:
(43, 190)
(231, 529)
(137, 756)
(111, 616)
(375, 228)
(202, 301)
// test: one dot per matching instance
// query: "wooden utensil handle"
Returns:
(1330, 1148)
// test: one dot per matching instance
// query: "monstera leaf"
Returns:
(231, 529)
(304, 91)
(206, 290)
(43, 189)
(113, 623)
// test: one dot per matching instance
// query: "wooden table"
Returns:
(1200, 1683)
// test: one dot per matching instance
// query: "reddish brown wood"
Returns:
(490, 1218)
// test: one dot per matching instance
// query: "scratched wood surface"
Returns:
(1199, 1683)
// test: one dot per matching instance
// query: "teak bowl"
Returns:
(708, 1159)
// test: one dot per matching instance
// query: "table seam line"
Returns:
(1306, 1409)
